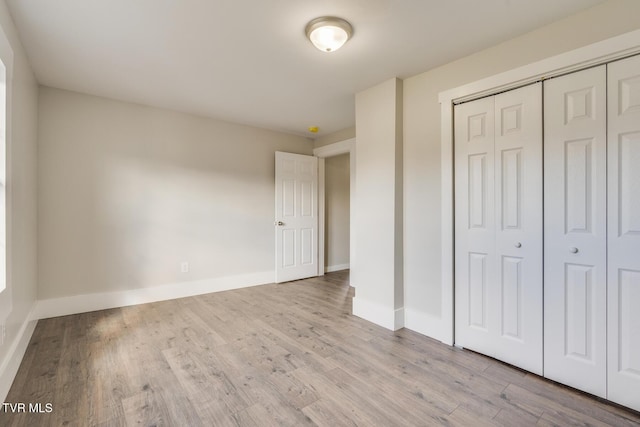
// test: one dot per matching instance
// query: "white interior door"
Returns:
(296, 221)
(575, 248)
(624, 232)
(498, 178)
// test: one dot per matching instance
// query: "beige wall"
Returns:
(377, 270)
(338, 136)
(422, 131)
(337, 181)
(22, 196)
(127, 193)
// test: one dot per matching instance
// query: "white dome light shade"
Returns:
(328, 33)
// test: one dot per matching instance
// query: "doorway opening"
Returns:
(336, 213)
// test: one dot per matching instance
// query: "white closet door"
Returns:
(518, 196)
(624, 232)
(575, 287)
(475, 225)
(498, 150)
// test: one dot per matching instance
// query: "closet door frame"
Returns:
(442, 327)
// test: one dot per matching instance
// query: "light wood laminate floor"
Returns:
(282, 354)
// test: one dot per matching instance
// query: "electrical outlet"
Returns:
(184, 267)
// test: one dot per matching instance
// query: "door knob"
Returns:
(280, 223)
(573, 250)
(518, 245)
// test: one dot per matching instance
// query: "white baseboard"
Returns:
(11, 362)
(387, 317)
(91, 302)
(337, 267)
(427, 324)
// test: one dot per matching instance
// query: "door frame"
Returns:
(608, 50)
(347, 146)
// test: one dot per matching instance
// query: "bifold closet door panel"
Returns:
(498, 195)
(575, 247)
(518, 196)
(624, 232)
(475, 225)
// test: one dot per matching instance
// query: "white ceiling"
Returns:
(248, 61)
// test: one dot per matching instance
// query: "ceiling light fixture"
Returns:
(328, 33)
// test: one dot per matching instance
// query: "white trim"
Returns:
(91, 302)
(352, 205)
(594, 54)
(7, 56)
(13, 359)
(399, 318)
(444, 325)
(426, 324)
(321, 216)
(348, 146)
(337, 267)
(335, 149)
(387, 317)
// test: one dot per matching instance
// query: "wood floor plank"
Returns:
(465, 416)
(552, 410)
(295, 392)
(308, 358)
(360, 408)
(145, 409)
(577, 401)
(393, 406)
(42, 373)
(416, 391)
(323, 413)
(412, 345)
(306, 335)
(72, 372)
(515, 416)
(254, 416)
(455, 378)
(165, 405)
(288, 354)
(206, 383)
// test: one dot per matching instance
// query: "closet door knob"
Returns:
(573, 250)
(518, 245)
